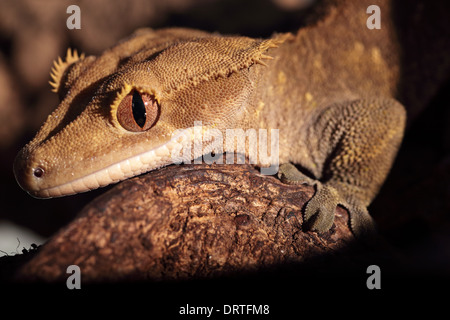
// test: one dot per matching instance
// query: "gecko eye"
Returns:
(137, 112)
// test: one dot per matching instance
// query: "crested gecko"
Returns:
(333, 102)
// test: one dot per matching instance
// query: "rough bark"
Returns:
(188, 221)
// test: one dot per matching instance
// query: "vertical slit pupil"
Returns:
(138, 107)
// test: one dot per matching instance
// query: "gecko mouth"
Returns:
(149, 160)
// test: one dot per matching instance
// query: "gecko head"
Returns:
(124, 112)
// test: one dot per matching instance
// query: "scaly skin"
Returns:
(331, 99)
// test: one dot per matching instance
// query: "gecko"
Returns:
(329, 88)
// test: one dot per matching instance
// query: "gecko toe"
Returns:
(361, 223)
(319, 211)
(289, 174)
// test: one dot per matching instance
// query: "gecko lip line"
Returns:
(163, 155)
(114, 173)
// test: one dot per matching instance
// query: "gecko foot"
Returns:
(319, 211)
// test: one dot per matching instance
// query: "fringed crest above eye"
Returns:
(60, 66)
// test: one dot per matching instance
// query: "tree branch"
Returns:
(187, 221)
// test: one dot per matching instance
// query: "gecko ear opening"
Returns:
(60, 66)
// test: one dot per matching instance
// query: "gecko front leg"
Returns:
(355, 144)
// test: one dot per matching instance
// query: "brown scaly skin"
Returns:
(331, 98)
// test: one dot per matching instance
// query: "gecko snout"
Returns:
(28, 173)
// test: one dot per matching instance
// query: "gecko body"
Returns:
(333, 101)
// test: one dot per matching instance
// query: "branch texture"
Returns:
(187, 221)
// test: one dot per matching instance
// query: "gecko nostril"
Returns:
(38, 172)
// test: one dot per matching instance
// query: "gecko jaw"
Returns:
(149, 160)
